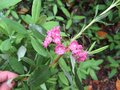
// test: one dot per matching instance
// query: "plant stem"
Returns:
(82, 30)
(95, 19)
(55, 60)
(108, 9)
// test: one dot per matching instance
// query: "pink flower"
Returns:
(47, 41)
(60, 49)
(80, 56)
(77, 51)
(49, 33)
(55, 32)
(57, 40)
(73, 45)
(53, 35)
(79, 47)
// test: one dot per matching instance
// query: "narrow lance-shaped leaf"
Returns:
(65, 11)
(63, 78)
(55, 9)
(38, 47)
(113, 72)
(93, 74)
(98, 50)
(72, 63)
(92, 46)
(78, 17)
(36, 6)
(69, 23)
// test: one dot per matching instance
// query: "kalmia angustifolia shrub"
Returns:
(53, 35)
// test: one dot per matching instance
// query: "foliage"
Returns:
(22, 36)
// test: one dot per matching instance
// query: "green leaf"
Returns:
(7, 3)
(81, 75)
(98, 62)
(5, 45)
(41, 20)
(92, 46)
(25, 86)
(95, 28)
(98, 50)
(12, 25)
(38, 46)
(21, 52)
(78, 17)
(39, 76)
(93, 74)
(63, 78)
(65, 11)
(19, 38)
(49, 25)
(50, 18)
(69, 23)
(112, 73)
(14, 14)
(27, 18)
(55, 9)
(63, 34)
(36, 7)
(43, 86)
(77, 81)
(63, 65)
(2, 28)
(28, 61)
(85, 64)
(59, 2)
(72, 63)
(111, 60)
(59, 18)
(16, 66)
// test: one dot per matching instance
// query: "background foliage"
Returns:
(23, 27)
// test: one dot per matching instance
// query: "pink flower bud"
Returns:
(60, 49)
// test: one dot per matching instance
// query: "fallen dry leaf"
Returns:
(101, 34)
(89, 87)
(118, 84)
(23, 11)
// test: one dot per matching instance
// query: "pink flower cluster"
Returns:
(53, 35)
(77, 51)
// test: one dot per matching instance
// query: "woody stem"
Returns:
(56, 60)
